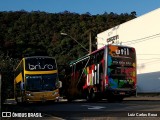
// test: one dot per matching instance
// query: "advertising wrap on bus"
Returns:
(121, 67)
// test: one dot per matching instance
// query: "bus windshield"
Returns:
(41, 82)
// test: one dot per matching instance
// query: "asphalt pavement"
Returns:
(134, 98)
(144, 97)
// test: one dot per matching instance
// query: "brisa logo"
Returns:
(40, 67)
(123, 51)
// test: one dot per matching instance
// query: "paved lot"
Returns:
(143, 98)
(75, 110)
(139, 98)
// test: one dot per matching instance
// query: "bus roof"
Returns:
(38, 57)
(86, 56)
(79, 59)
(31, 57)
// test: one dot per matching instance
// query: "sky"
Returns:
(94, 7)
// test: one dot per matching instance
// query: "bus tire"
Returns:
(88, 97)
(91, 96)
(69, 99)
(111, 99)
(120, 99)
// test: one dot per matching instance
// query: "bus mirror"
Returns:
(22, 85)
(60, 84)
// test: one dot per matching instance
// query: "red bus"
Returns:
(107, 73)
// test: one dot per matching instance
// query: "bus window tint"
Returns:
(49, 82)
(41, 82)
(34, 83)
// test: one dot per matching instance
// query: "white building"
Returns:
(142, 33)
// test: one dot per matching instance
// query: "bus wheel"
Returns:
(93, 96)
(69, 99)
(90, 96)
(111, 99)
(17, 101)
(119, 99)
(20, 101)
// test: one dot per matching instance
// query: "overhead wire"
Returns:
(149, 59)
(149, 62)
(142, 39)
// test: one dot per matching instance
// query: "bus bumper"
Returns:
(42, 96)
(125, 93)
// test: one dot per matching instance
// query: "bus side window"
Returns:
(91, 60)
(98, 58)
(18, 90)
(73, 71)
(22, 85)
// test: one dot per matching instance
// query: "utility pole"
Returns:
(65, 34)
(0, 85)
(90, 42)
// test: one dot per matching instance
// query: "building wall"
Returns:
(149, 82)
(142, 33)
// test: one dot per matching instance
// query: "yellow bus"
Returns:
(36, 79)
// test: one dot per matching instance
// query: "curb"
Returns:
(144, 98)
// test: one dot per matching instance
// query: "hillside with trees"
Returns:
(33, 33)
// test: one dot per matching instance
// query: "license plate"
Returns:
(122, 93)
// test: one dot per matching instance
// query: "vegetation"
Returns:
(38, 33)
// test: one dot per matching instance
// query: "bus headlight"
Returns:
(57, 84)
(28, 94)
(55, 93)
